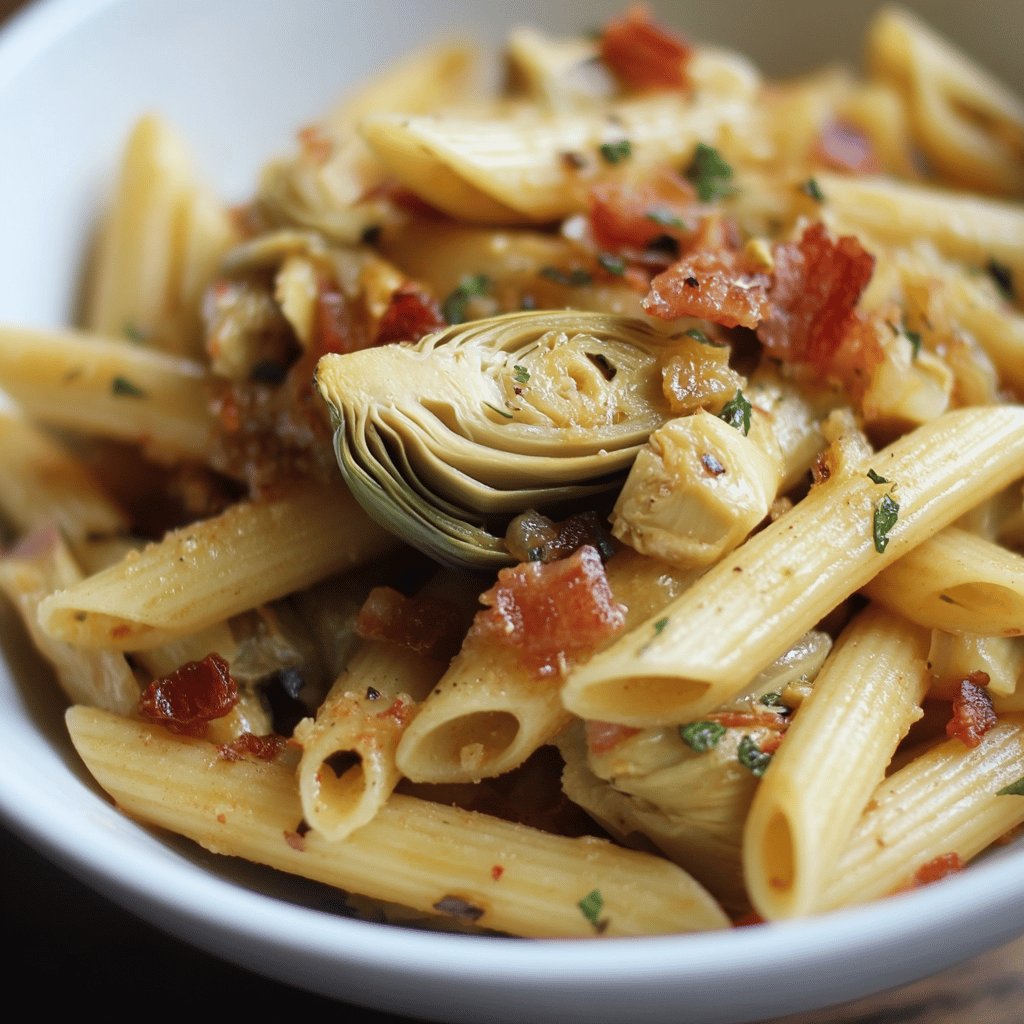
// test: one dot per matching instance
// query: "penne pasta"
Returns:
(436, 859)
(704, 647)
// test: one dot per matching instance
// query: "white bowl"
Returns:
(238, 77)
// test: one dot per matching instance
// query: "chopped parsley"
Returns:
(124, 387)
(752, 757)
(771, 699)
(915, 343)
(1003, 277)
(698, 335)
(709, 174)
(875, 478)
(1013, 789)
(736, 412)
(613, 264)
(500, 412)
(591, 906)
(659, 626)
(811, 188)
(575, 278)
(455, 305)
(701, 736)
(666, 218)
(616, 152)
(886, 513)
(521, 374)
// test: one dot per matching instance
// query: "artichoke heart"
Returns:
(446, 440)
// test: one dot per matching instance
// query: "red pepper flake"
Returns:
(938, 867)
(295, 840)
(222, 818)
(722, 286)
(973, 714)
(497, 871)
(429, 626)
(399, 710)
(552, 612)
(191, 697)
(644, 55)
(264, 748)
(412, 313)
(816, 285)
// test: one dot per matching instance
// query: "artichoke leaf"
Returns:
(445, 440)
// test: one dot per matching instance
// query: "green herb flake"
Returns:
(752, 757)
(772, 699)
(591, 906)
(875, 478)
(709, 174)
(616, 152)
(124, 387)
(886, 513)
(698, 335)
(736, 412)
(134, 333)
(500, 412)
(702, 736)
(1003, 277)
(915, 343)
(811, 188)
(455, 305)
(520, 374)
(659, 626)
(575, 278)
(666, 218)
(613, 264)
(1013, 789)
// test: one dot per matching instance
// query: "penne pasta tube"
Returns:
(348, 767)
(957, 582)
(945, 801)
(39, 564)
(105, 386)
(489, 712)
(953, 657)
(201, 574)
(436, 859)
(834, 753)
(160, 243)
(971, 228)
(45, 483)
(706, 645)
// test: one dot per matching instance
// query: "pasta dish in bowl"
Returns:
(585, 510)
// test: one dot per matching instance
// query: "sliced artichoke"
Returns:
(445, 440)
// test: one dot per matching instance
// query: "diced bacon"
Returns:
(429, 626)
(187, 700)
(842, 146)
(337, 328)
(552, 613)
(603, 736)
(632, 214)
(411, 313)
(644, 55)
(721, 286)
(938, 867)
(973, 714)
(816, 286)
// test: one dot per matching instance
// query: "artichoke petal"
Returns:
(444, 441)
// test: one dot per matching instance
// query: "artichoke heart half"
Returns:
(444, 441)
